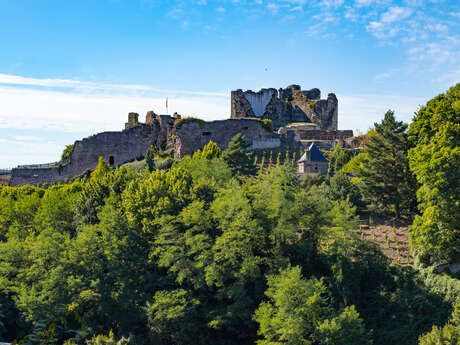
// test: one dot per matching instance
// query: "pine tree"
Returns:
(387, 180)
(150, 158)
(211, 150)
(237, 158)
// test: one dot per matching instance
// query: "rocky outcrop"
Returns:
(286, 105)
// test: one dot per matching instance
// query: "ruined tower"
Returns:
(286, 105)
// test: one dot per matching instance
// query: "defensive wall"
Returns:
(115, 147)
(185, 136)
(191, 135)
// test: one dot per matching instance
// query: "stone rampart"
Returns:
(191, 134)
(116, 148)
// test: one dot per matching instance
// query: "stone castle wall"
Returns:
(115, 147)
(191, 135)
(186, 136)
(286, 105)
(132, 143)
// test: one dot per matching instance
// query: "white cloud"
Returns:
(395, 14)
(436, 27)
(332, 3)
(24, 106)
(52, 83)
(364, 2)
(273, 7)
(388, 25)
(67, 83)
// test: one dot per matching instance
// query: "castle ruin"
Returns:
(286, 105)
(311, 118)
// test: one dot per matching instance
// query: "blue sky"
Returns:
(69, 69)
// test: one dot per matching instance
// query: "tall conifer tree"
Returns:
(387, 180)
(237, 158)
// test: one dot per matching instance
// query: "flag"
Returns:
(166, 102)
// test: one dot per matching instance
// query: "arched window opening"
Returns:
(111, 161)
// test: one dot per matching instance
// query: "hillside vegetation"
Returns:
(217, 249)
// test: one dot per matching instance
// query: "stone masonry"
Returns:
(286, 105)
(186, 135)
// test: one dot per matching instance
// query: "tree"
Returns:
(67, 151)
(344, 329)
(294, 307)
(150, 157)
(237, 158)
(101, 170)
(298, 313)
(211, 150)
(171, 317)
(387, 181)
(435, 161)
(338, 157)
(448, 335)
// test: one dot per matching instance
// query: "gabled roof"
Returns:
(315, 155)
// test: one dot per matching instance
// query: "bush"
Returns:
(267, 125)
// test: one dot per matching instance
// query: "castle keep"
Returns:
(286, 105)
(304, 115)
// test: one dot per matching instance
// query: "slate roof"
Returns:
(315, 155)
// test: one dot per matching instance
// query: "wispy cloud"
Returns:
(15, 80)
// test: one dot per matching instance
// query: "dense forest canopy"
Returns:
(217, 249)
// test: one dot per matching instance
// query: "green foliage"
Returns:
(338, 157)
(267, 125)
(193, 255)
(171, 317)
(344, 329)
(150, 157)
(448, 335)
(297, 313)
(294, 308)
(67, 151)
(101, 170)
(435, 161)
(210, 151)
(200, 122)
(237, 158)
(386, 180)
(106, 340)
(342, 187)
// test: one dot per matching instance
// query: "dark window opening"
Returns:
(245, 128)
(206, 133)
(111, 161)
